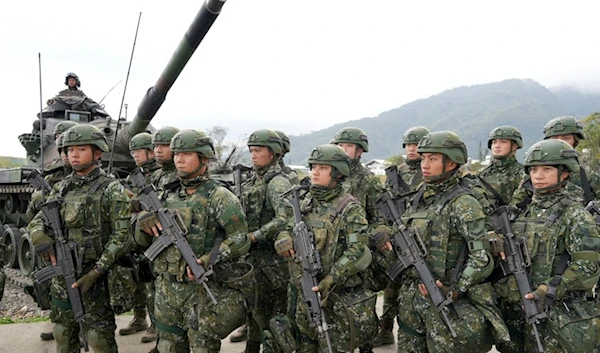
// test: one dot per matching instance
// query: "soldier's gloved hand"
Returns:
(87, 281)
(539, 295)
(284, 247)
(44, 246)
(325, 286)
(382, 239)
(148, 222)
(496, 244)
(204, 260)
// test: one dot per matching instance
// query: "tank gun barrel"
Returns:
(155, 96)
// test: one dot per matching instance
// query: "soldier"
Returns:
(564, 246)
(267, 215)
(72, 82)
(292, 175)
(502, 177)
(340, 230)
(185, 316)
(95, 214)
(164, 157)
(449, 221)
(142, 151)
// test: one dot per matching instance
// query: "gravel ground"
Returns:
(17, 304)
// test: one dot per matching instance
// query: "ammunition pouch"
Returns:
(241, 277)
(575, 323)
(280, 336)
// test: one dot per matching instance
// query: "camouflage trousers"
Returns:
(350, 312)
(272, 280)
(423, 330)
(390, 305)
(123, 289)
(149, 290)
(186, 319)
(571, 326)
(99, 318)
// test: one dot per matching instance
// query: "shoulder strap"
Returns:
(454, 192)
(341, 207)
(588, 195)
(495, 193)
(417, 198)
(527, 185)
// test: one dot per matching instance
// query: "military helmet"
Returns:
(143, 140)
(445, 142)
(63, 126)
(71, 74)
(59, 142)
(285, 141)
(164, 135)
(352, 135)
(552, 152)
(506, 132)
(564, 125)
(193, 141)
(414, 135)
(79, 135)
(268, 138)
(332, 155)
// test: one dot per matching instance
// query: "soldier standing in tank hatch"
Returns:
(340, 229)
(564, 247)
(267, 214)
(95, 215)
(185, 316)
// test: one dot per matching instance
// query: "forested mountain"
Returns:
(470, 111)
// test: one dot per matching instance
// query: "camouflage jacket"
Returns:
(210, 212)
(504, 176)
(366, 188)
(96, 215)
(164, 175)
(266, 210)
(410, 172)
(555, 224)
(449, 219)
(524, 193)
(289, 172)
(342, 240)
(148, 169)
(58, 173)
(593, 179)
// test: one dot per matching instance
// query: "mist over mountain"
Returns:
(470, 111)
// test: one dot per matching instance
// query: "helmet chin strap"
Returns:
(192, 174)
(559, 184)
(507, 155)
(443, 176)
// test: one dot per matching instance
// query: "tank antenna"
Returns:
(112, 149)
(110, 90)
(41, 121)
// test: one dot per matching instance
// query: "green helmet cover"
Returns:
(79, 135)
(285, 141)
(266, 138)
(193, 141)
(332, 155)
(564, 125)
(352, 135)
(552, 152)
(445, 142)
(143, 140)
(505, 132)
(164, 135)
(63, 126)
(414, 135)
(59, 143)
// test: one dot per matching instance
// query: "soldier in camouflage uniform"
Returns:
(450, 221)
(95, 214)
(185, 316)
(164, 157)
(341, 236)
(503, 176)
(142, 151)
(292, 175)
(564, 246)
(267, 214)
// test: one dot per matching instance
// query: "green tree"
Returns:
(395, 160)
(591, 143)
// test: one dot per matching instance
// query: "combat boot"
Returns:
(385, 336)
(47, 336)
(150, 335)
(138, 323)
(240, 335)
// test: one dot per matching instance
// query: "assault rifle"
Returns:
(304, 246)
(173, 232)
(36, 180)
(411, 251)
(238, 170)
(394, 181)
(517, 261)
(66, 256)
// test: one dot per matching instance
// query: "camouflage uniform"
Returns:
(341, 237)
(449, 220)
(556, 227)
(95, 214)
(185, 316)
(167, 172)
(504, 174)
(285, 144)
(267, 214)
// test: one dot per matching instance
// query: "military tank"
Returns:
(40, 145)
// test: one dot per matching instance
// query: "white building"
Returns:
(377, 166)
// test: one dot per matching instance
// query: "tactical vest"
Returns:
(83, 220)
(257, 208)
(199, 218)
(443, 246)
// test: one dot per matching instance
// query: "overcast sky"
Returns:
(287, 64)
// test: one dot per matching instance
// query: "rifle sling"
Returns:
(555, 282)
(527, 185)
(495, 193)
(215, 250)
(462, 258)
(588, 195)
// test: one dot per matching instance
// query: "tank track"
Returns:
(16, 189)
(16, 277)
